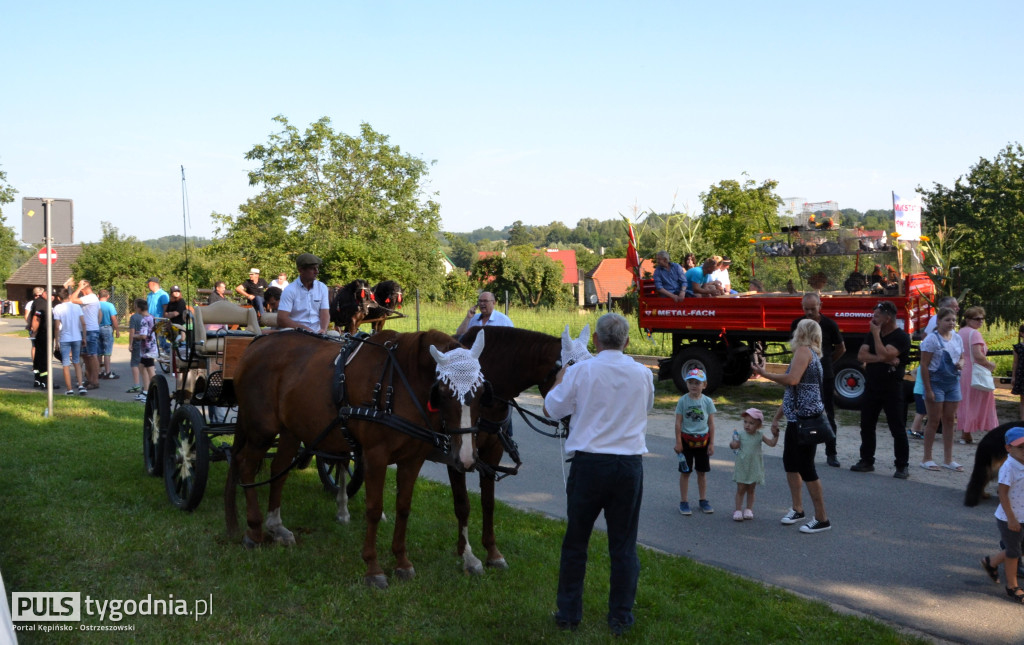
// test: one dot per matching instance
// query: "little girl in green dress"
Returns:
(749, 468)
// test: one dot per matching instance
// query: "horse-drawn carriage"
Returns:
(189, 418)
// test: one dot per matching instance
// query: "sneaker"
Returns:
(915, 435)
(141, 398)
(133, 389)
(705, 506)
(684, 508)
(833, 461)
(862, 467)
(814, 526)
(111, 376)
(737, 516)
(92, 386)
(82, 390)
(748, 514)
(792, 517)
(69, 393)
(902, 473)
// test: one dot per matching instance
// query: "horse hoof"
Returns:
(249, 543)
(285, 540)
(379, 581)
(474, 569)
(406, 574)
(498, 564)
(343, 519)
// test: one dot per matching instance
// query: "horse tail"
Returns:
(231, 485)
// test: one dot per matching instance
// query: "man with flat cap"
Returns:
(304, 302)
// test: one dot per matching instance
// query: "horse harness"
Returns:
(375, 410)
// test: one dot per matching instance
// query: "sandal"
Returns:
(930, 465)
(955, 467)
(1016, 594)
(993, 572)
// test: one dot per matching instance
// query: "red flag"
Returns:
(632, 258)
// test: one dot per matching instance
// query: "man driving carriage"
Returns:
(304, 302)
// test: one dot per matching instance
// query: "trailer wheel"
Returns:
(691, 356)
(849, 384)
(154, 425)
(738, 368)
(186, 458)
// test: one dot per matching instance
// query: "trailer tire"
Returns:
(849, 380)
(691, 356)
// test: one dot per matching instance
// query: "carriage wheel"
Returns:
(330, 469)
(186, 458)
(154, 425)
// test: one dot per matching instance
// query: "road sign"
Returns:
(61, 221)
(44, 257)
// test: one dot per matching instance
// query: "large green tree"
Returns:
(358, 202)
(734, 214)
(528, 275)
(984, 209)
(8, 242)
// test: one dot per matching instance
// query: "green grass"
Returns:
(79, 514)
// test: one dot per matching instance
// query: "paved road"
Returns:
(905, 552)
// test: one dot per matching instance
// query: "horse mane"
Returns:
(505, 347)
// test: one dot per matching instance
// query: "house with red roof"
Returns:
(611, 278)
(570, 270)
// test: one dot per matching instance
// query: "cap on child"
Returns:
(696, 374)
(1015, 436)
(754, 414)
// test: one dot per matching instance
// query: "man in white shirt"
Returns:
(281, 282)
(488, 315)
(608, 397)
(304, 303)
(90, 304)
(71, 332)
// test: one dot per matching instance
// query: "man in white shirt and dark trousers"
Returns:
(304, 303)
(608, 397)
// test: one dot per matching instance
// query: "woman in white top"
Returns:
(942, 358)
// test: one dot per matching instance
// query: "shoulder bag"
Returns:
(810, 431)
(981, 379)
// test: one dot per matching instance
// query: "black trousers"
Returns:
(886, 397)
(42, 360)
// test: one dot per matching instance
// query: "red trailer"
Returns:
(722, 334)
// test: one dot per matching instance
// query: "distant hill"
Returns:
(169, 242)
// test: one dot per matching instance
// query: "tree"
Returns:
(518, 235)
(985, 209)
(736, 213)
(119, 263)
(358, 202)
(257, 237)
(8, 242)
(532, 276)
(462, 252)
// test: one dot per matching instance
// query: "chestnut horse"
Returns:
(286, 386)
(513, 360)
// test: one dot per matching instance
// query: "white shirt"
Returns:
(91, 311)
(69, 315)
(722, 276)
(304, 305)
(497, 319)
(935, 343)
(608, 397)
(1011, 473)
(280, 284)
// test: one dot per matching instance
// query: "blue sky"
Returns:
(536, 111)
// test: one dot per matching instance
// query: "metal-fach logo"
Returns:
(39, 606)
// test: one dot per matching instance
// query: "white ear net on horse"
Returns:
(575, 350)
(459, 368)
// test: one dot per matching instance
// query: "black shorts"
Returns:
(697, 459)
(147, 362)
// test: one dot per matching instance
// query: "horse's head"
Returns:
(575, 350)
(388, 294)
(460, 380)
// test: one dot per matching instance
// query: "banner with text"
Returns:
(908, 216)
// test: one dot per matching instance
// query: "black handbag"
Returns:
(810, 431)
(57, 354)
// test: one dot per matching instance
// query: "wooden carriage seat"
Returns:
(222, 313)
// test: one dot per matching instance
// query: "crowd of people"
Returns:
(709, 279)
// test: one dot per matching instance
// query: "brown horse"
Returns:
(284, 386)
(512, 361)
